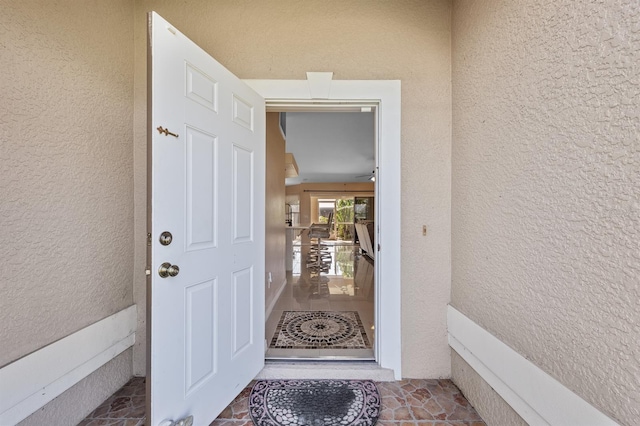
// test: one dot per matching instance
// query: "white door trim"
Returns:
(386, 93)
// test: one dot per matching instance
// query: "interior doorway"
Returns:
(326, 307)
(382, 97)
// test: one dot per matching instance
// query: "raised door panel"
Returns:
(242, 310)
(200, 330)
(242, 182)
(201, 189)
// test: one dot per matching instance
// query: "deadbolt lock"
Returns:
(168, 270)
(166, 238)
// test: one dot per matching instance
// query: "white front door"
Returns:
(207, 191)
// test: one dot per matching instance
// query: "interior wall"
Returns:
(275, 212)
(546, 178)
(66, 175)
(407, 40)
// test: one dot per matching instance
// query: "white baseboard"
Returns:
(536, 396)
(29, 383)
(275, 299)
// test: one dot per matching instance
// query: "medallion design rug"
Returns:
(314, 402)
(320, 330)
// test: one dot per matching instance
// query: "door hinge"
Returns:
(148, 238)
(378, 247)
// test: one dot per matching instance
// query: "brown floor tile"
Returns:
(120, 407)
(406, 402)
(420, 413)
(239, 407)
(396, 414)
(126, 407)
(111, 422)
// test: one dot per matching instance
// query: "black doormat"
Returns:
(314, 402)
(320, 330)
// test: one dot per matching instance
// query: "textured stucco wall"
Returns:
(491, 407)
(80, 400)
(546, 188)
(274, 208)
(66, 178)
(356, 39)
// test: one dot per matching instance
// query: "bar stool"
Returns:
(319, 257)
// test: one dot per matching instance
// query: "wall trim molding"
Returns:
(536, 396)
(28, 384)
(275, 299)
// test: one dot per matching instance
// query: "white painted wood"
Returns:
(385, 95)
(351, 370)
(206, 323)
(536, 396)
(29, 383)
(319, 84)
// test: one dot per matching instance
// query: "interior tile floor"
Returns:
(405, 402)
(348, 285)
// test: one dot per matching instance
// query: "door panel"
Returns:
(201, 189)
(200, 322)
(242, 194)
(242, 112)
(201, 88)
(207, 188)
(242, 310)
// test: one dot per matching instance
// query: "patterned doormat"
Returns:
(320, 330)
(314, 402)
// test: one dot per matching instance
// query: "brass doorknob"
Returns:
(168, 270)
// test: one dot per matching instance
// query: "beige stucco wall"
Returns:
(274, 208)
(81, 399)
(356, 39)
(546, 188)
(492, 408)
(66, 174)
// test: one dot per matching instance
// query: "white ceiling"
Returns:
(331, 146)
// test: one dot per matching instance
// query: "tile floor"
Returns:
(126, 407)
(405, 403)
(347, 286)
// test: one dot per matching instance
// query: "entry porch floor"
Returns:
(405, 402)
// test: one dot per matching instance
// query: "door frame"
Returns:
(321, 92)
